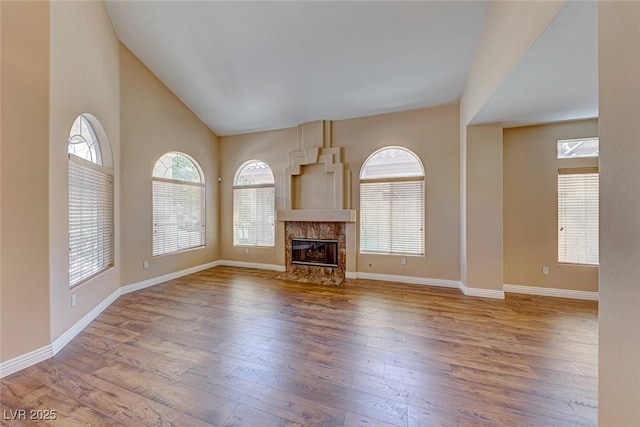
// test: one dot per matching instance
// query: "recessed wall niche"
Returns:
(313, 188)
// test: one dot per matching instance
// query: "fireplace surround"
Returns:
(320, 252)
(316, 206)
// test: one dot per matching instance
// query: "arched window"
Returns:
(254, 205)
(178, 204)
(392, 203)
(90, 204)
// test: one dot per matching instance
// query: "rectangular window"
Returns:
(254, 216)
(577, 148)
(90, 219)
(578, 216)
(178, 216)
(392, 217)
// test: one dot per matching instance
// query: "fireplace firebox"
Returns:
(320, 253)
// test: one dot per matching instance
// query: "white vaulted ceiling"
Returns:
(250, 66)
(557, 79)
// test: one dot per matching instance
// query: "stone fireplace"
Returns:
(312, 241)
(319, 229)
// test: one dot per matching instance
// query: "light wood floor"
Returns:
(234, 347)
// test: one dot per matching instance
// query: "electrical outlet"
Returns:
(545, 270)
(403, 261)
(145, 264)
(74, 300)
(246, 250)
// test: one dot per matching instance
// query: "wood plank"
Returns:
(149, 413)
(380, 408)
(249, 417)
(235, 347)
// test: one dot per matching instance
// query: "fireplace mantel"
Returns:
(317, 215)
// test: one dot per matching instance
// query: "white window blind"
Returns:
(90, 219)
(578, 213)
(392, 217)
(178, 216)
(254, 205)
(392, 203)
(179, 220)
(254, 216)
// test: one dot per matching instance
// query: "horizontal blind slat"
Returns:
(254, 216)
(178, 216)
(578, 217)
(90, 220)
(392, 217)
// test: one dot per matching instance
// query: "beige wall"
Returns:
(484, 256)
(619, 59)
(1, 66)
(84, 78)
(153, 122)
(59, 60)
(271, 147)
(510, 28)
(531, 206)
(430, 133)
(24, 107)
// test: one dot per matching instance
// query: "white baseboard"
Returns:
(476, 292)
(164, 278)
(21, 362)
(404, 279)
(552, 292)
(70, 334)
(36, 356)
(259, 266)
(480, 292)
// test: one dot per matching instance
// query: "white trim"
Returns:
(164, 278)
(66, 337)
(404, 279)
(259, 266)
(36, 356)
(552, 292)
(481, 292)
(44, 353)
(475, 292)
(21, 362)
